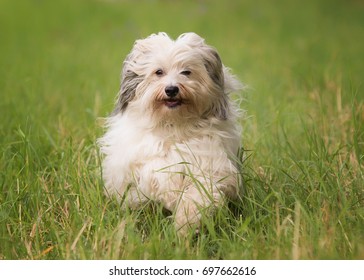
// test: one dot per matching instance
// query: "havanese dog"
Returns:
(173, 136)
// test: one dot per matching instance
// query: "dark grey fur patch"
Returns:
(129, 83)
(214, 68)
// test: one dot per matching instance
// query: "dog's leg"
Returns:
(193, 205)
(133, 198)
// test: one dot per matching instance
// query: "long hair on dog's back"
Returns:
(173, 125)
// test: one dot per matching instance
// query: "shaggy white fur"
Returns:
(173, 136)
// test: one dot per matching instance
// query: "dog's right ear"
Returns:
(129, 82)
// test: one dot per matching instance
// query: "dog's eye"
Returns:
(186, 72)
(159, 72)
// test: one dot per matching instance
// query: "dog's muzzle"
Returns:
(172, 101)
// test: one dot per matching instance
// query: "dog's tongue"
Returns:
(171, 103)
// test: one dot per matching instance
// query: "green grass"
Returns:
(303, 135)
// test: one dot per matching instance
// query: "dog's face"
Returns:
(174, 79)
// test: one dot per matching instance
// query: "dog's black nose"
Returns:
(171, 91)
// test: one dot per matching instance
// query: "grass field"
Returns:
(303, 133)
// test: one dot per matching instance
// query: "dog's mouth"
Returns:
(172, 102)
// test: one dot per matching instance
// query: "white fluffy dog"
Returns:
(173, 136)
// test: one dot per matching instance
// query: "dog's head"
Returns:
(175, 79)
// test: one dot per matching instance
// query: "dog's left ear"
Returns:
(224, 81)
(214, 68)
